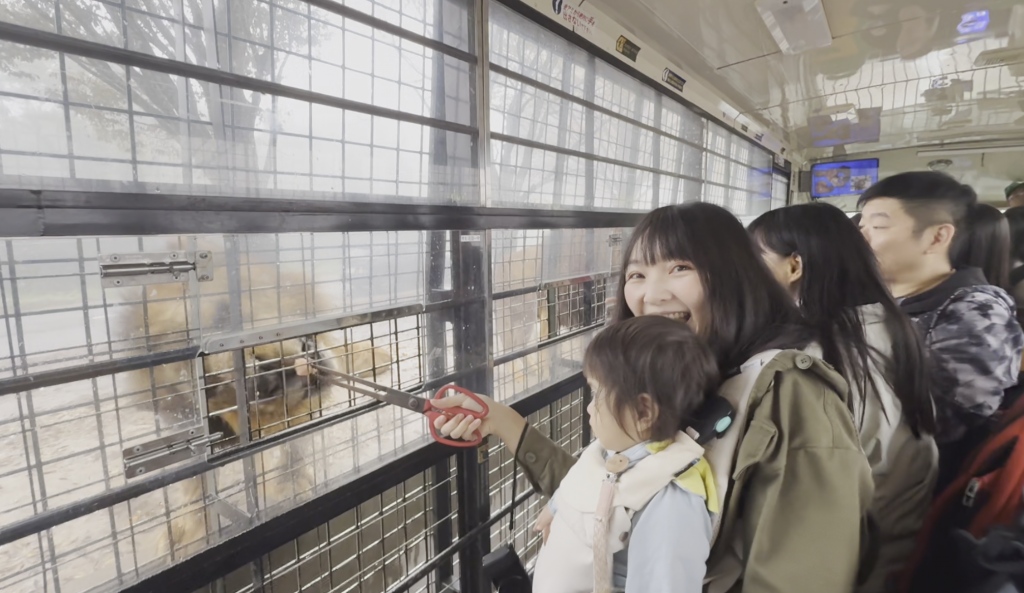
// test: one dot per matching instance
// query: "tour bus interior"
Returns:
(918, 85)
(201, 200)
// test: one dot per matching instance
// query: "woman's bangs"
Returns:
(662, 239)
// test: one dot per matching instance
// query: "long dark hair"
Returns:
(840, 273)
(749, 311)
(1015, 217)
(985, 244)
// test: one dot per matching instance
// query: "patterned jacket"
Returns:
(975, 345)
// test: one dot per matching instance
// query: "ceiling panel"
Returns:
(723, 33)
(925, 71)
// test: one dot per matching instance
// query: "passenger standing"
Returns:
(969, 326)
(829, 269)
(1015, 194)
(790, 474)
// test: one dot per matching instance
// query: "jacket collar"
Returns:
(932, 299)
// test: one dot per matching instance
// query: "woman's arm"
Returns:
(543, 461)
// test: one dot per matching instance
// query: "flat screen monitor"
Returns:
(843, 178)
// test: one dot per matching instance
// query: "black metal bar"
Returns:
(26, 213)
(545, 285)
(92, 370)
(588, 155)
(470, 278)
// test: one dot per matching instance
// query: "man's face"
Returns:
(890, 232)
(1016, 198)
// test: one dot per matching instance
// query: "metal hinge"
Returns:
(615, 239)
(137, 269)
(167, 450)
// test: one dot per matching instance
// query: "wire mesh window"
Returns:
(572, 130)
(386, 541)
(739, 176)
(369, 549)
(167, 417)
(82, 123)
(180, 353)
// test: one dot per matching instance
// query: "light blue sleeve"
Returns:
(669, 547)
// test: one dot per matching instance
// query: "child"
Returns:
(635, 512)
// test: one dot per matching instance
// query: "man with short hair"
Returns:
(1015, 194)
(968, 325)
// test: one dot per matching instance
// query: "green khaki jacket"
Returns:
(800, 485)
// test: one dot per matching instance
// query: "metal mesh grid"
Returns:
(516, 258)
(527, 176)
(617, 186)
(63, 444)
(524, 47)
(681, 122)
(56, 313)
(616, 90)
(96, 122)
(537, 370)
(563, 422)
(365, 550)
(388, 537)
(780, 190)
(571, 253)
(620, 140)
(531, 113)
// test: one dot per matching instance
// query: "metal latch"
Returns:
(615, 239)
(167, 450)
(137, 269)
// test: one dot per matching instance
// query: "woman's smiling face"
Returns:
(671, 288)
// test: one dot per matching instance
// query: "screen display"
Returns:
(844, 178)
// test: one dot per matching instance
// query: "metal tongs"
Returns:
(409, 401)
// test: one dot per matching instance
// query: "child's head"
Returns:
(648, 375)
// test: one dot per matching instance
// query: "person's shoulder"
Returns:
(977, 310)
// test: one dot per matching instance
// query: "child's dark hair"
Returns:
(660, 357)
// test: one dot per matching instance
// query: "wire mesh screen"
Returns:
(77, 122)
(366, 550)
(549, 286)
(224, 350)
(386, 540)
(563, 422)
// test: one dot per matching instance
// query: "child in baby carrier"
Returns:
(635, 512)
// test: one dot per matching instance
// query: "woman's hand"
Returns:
(501, 420)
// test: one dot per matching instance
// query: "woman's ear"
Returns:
(796, 268)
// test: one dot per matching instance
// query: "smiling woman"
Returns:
(696, 262)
